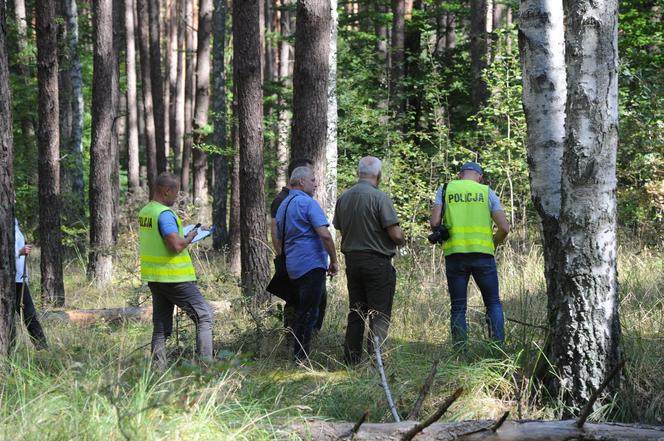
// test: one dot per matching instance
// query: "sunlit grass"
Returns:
(96, 382)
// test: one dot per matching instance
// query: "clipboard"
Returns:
(202, 234)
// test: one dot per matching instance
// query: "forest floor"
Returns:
(95, 382)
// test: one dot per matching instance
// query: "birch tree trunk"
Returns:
(220, 161)
(100, 263)
(247, 65)
(586, 331)
(48, 139)
(542, 48)
(202, 103)
(133, 166)
(310, 88)
(381, 31)
(7, 258)
(331, 154)
(146, 88)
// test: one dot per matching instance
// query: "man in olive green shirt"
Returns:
(370, 233)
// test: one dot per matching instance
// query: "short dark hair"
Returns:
(167, 179)
(298, 162)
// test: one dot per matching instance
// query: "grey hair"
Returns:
(369, 166)
(299, 173)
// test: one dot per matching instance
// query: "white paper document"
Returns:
(202, 234)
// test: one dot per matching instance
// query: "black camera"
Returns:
(440, 234)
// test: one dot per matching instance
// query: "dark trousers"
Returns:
(25, 306)
(371, 284)
(458, 269)
(310, 289)
(188, 298)
(290, 309)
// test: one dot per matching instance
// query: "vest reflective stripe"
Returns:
(468, 218)
(158, 262)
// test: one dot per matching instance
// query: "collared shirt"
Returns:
(363, 213)
(303, 247)
(19, 242)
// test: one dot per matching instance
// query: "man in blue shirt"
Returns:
(24, 303)
(306, 245)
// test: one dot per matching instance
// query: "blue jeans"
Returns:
(310, 289)
(458, 268)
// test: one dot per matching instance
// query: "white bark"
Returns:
(284, 121)
(331, 153)
(586, 338)
(76, 137)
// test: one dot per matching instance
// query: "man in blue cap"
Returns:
(468, 209)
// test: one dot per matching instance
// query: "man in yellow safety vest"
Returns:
(468, 210)
(166, 267)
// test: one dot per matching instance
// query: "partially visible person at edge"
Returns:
(307, 245)
(370, 233)
(291, 304)
(469, 208)
(166, 267)
(24, 303)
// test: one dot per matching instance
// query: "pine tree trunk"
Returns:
(146, 87)
(202, 103)
(75, 146)
(310, 88)
(397, 57)
(172, 69)
(234, 255)
(450, 33)
(586, 331)
(157, 83)
(247, 66)
(133, 166)
(381, 30)
(480, 27)
(178, 137)
(100, 264)
(284, 120)
(118, 129)
(220, 161)
(189, 89)
(7, 259)
(48, 139)
(331, 153)
(542, 48)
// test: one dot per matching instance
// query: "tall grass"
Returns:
(97, 383)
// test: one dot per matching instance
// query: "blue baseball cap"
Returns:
(474, 166)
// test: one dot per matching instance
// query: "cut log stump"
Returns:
(116, 315)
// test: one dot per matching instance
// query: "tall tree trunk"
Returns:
(542, 48)
(172, 68)
(586, 331)
(48, 139)
(157, 84)
(133, 166)
(480, 27)
(189, 89)
(202, 102)
(100, 264)
(331, 154)
(450, 33)
(146, 87)
(65, 108)
(117, 128)
(247, 66)
(75, 146)
(310, 87)
(381, 29)
(178, 137)
(412, 95)
(234, 254)
(285, 71)
(220, 161)
(397, 57)
(7, 259)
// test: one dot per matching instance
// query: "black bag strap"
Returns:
(442, 206)
(283, 230)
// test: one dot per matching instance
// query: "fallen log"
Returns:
(316, 430)
(116, 315)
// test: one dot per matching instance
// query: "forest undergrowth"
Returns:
(96, 382)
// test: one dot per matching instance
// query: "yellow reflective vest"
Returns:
(468, 218)
(158, 262)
